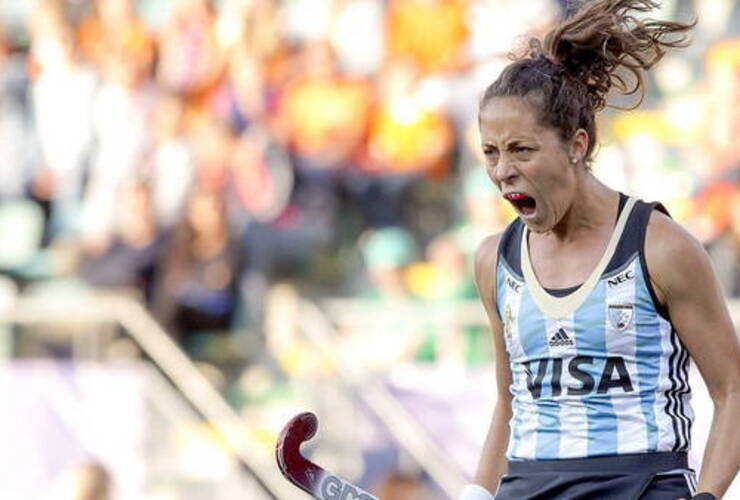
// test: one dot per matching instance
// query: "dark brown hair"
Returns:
(598, 48)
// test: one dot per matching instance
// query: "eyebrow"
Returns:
(514, 142)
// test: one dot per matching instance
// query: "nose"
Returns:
(505, 171)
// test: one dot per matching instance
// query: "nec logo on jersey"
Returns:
(561, 339)
(515, 286)
(620, 315)
(620, 278)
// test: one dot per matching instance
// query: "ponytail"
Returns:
(584, 57)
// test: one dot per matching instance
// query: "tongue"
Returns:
(526, 209)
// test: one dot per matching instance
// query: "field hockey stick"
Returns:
(305, 474)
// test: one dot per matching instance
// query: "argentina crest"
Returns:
(620, 315)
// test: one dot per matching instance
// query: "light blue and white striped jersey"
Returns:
(598, 370)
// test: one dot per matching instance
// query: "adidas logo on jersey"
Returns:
(560, 339)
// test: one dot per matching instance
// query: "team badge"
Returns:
(620, 315)
(508, 323)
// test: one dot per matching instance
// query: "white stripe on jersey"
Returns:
(509, 317)
(573, 415)
(631, 425)
(529, 416)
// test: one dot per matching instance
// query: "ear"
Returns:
(579, 145)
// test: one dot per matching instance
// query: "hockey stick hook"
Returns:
(305, 474)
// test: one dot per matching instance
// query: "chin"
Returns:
(537, 226)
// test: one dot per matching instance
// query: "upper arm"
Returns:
(686, 283)
(486, 260)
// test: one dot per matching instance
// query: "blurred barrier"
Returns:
(168, 357)
(318, 330)
(88, 320)
(354, 314)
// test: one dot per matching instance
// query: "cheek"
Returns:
(556, 186)
(491, 173)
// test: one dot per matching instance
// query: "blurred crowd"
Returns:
(196, 152)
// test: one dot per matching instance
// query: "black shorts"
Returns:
(649, 476)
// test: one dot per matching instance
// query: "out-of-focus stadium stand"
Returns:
(215, 214)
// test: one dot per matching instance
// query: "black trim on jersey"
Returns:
(628, 245)
(680, 364)
(495, 288)
(627, 263)
(678, 374)
(562, 292)
(508, 268)
(670, 394)
(510, 246)
(629, 241)
(645, 220)
(683, 392)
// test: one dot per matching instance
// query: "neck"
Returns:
(594, 208)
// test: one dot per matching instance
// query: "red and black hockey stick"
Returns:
(305, 474)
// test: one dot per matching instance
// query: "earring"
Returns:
(574, 160)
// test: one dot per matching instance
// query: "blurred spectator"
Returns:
(129, 259)
(85, 481)
(725, 248)
(190, 59)
(723, 74)
(407, 141)
(18, 148)
(324, 113)
(522, 19)
(114, 30)
(197, 290)
(358, 35)
(243, 99)
(172, 165)
(63, 92)
(485, 212)
(261, 176)
(211, 142)
(445, 279)
(121, 115)
(386, 253)
(400, 486)
(410, 23)
(397, 336)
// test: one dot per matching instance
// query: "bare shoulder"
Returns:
(486, 257)
(676, 260)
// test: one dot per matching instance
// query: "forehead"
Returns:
(505, 117)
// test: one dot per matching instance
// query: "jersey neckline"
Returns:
(558, 307)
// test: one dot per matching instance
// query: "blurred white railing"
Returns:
(318, 329)
(100, 309)
(319, 324)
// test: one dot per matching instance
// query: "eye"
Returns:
(523, 149)
(491, 154)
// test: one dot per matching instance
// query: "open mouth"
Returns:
(523, 203)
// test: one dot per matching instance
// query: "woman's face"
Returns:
(528, 162)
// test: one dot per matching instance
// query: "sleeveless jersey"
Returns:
(595, 371)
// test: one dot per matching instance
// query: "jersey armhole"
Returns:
(508, 240)
(495, 286)
(659, 307)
